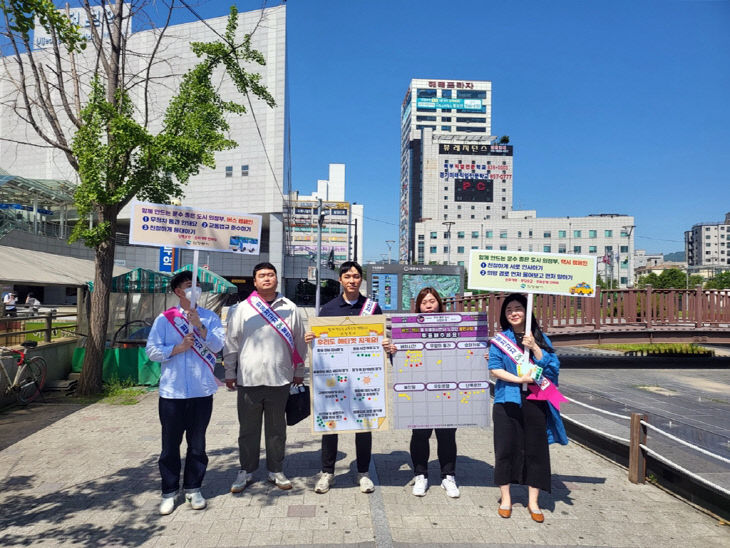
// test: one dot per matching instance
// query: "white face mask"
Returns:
(189, 293)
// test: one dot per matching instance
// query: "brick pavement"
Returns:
(90, 478)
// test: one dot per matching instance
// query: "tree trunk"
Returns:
(91, 372)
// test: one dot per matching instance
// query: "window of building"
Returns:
(475, 247)
(458, 216)
(472, 216)
(504, 199)
(593, 234)
(425, 118)
(576, 249)
(488, 247)
(562, 234)
(419, 126)
(471, 129)
(503, 248)
(229, 171)
(445, 128)
(502, 233)
(592, 249)
(474, 233)
(446, 93)
(460, 249)
(623, 249)
(432, 249)
(561, 248)
(446, 235)
(446, 197)
(426, 93)
(519, 234)
(576, 234)
(446, 118)
(624, 280)
(446, 206)
(529, 233)
(434, 235)
(608, 233)
(244, 170)
(624, 234)
(547, 234)
(608, 249)
(420, 237)
(546, 249)
(489, 234)
(471, 120)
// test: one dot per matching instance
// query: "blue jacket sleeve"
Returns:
(158, 350)
(550, 364)
(496, 358)
(216, 335)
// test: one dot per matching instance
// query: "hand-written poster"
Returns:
(527, 272)
(440, 376)
(188, 228)
(348, 374)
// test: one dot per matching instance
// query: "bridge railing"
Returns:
(647, 307)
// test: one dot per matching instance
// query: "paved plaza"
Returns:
(87, 476)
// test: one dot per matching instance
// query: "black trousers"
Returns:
(363, 450)
(521, 453)
(191, 417)
(446, 449)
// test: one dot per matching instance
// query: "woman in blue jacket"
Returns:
(523, 427)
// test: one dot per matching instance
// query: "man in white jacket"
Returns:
(263, 353)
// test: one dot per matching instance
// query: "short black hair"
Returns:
(180, 278)
(263, 266)
(347, 265)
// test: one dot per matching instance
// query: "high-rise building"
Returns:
(706, 244)
(457, 189)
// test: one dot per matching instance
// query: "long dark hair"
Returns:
(428, 291)
(535, 327)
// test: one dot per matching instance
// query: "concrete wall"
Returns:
(58, 355)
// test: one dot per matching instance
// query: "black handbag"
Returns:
(297, 406)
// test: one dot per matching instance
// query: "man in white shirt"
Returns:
(185, 340)
(263, 354)
(9, 301)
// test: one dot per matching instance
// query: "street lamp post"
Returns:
(389, 243)
(448, 225)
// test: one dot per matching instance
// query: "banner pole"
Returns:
(528, 331)
(193, 303)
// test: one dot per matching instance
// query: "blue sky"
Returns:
(615, 106)
(612, 107)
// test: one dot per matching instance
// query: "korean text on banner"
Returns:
(440, 377)
(526, 272)
(348, 374)
(189, 228)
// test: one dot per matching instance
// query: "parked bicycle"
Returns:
(30, 375)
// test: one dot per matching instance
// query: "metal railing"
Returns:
(646, 307)
(12, 327)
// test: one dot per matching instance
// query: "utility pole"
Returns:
(320, 220)
(389, 243)
(448, 225)
(630, 278)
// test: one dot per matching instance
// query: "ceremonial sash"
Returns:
(542, 389)
(368, 307)
(275, 321)
(183, 326)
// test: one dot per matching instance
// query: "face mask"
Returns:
(189, 293)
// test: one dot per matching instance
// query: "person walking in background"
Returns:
(429, 301)
(185, 340)
(9, 301)
(523, 427)
(34, 303)
(264, 352)
(350, 303)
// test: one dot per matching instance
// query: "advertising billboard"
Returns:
(445, 102)
(405, 281)
(473, 190)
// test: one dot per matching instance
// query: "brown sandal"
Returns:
(504, 512)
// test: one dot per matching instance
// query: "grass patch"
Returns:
(125, 392)
(658, 349)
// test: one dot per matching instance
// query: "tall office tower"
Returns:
(449, 169)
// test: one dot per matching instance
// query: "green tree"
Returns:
(108, 142)
(719, 281)
(504, 140)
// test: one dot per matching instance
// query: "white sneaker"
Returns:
(196, 500)
(366, 484)
(168, 504)
(325, 481)
(420, 485)
(242, 480)
(280, 480)
(449, 485)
